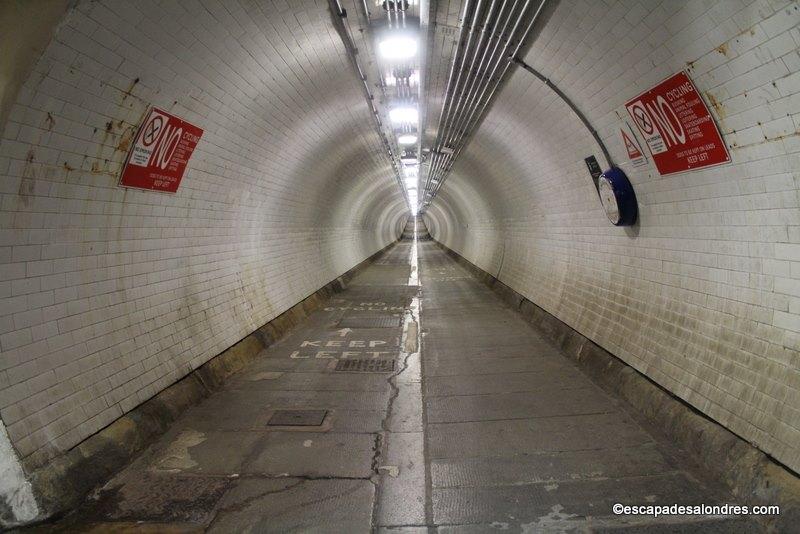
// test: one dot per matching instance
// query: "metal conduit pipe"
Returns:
(426, 10)
(450, 133)
(477, 78)
(513, 54)
(434, 157)
(447, 130)
(495, 59)
(455, 135)
(453, 65)
(476, 106)
(461, 72)
(465, 53)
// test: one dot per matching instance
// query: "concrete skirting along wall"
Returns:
(753, 477)
(63, 482)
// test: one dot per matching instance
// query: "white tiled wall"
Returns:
(107, 295)
(703, 296)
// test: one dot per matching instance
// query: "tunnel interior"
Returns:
(413, 266)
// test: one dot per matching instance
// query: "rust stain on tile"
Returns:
(716, 104)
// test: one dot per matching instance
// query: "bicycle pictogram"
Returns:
(152, 130)
(642, 118)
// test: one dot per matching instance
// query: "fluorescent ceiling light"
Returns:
(407, 139)
(404, 115)
(398, 47)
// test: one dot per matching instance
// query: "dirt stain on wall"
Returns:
(716, 104)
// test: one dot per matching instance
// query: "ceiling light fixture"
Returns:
(404, 115)
(398, 47)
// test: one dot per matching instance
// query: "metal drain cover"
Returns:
(297, 418)
(365, 366)
(380, 321)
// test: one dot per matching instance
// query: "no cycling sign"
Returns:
(677, 126)
(161, 152)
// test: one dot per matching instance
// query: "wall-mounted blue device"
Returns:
(618, 198)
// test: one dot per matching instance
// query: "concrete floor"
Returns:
(481, 426)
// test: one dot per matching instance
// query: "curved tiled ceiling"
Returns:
(292, 185)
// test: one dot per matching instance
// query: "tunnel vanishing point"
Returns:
(400, 266)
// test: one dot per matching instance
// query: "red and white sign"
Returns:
(677, 126)
(159, 156)
(633, 149)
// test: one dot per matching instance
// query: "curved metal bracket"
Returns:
(568, 102)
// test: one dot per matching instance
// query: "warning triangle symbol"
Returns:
(633, 151)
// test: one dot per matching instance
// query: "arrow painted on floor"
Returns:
(344, 331)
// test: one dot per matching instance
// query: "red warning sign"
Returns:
(677, 126)
(159, 156)
(633, 150)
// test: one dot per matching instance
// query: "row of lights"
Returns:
(401, 48)
(398, 50)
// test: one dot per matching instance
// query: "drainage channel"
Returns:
(401, 495)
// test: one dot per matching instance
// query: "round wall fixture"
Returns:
(617, 197)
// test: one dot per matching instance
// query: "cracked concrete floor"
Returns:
(481, 426)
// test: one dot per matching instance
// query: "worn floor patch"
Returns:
(313, 454)
(156, 497)
(296, 505)
(176, 456)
